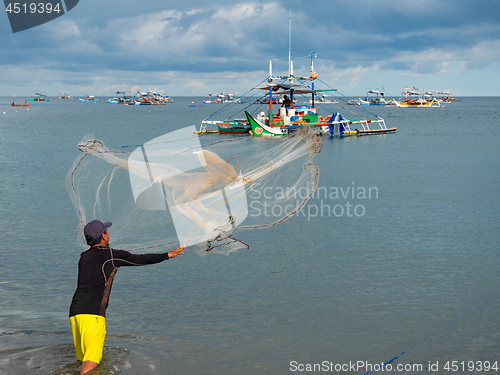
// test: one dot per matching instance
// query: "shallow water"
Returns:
(352, 278)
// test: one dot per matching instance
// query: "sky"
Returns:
(194, 48)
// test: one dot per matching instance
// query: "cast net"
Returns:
(175, 191)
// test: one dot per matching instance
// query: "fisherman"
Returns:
(286, 102)
(96, 270)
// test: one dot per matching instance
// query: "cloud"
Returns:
(126, 41)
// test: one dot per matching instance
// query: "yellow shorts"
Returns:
(89, 332)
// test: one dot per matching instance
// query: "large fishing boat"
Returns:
(334, 124)
(271, 119)
(259, 118)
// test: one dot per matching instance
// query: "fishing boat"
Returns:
(20, 105)
(444, 96)
(125, 100)
(89, 98)
(354, 102)
(261, 118)
(210, 99)
(417, 98)
(322, 98)
(375, 97)
(39, 97)
(266, 121)
(335, 125)
(226, 98)
(152, 98)
(64, 95)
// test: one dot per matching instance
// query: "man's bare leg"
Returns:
(88, 367)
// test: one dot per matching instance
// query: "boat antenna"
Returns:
(290, 44)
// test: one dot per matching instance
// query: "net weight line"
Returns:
(435, 333)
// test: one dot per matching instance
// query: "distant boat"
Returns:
(125, 100)
(417, 98)
(196, 105)
(89, 98)
(64, 95)
(152, 98)
(445, 97)
(378, 99)
(39, 97)
(20, 105)
(222, 98)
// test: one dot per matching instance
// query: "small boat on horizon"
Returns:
(125, 100)
(64, 95)
(378, 99)
(222, 98)
(39, 97)
(417, 98)
(89, 98)
(153, 98)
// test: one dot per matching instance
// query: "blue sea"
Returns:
(396, 257)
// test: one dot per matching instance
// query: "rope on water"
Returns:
(435, 333)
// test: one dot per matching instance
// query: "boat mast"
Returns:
(290, 44)
(270, 80)
(290, 64)
(312, 84)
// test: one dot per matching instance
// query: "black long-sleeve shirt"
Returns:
(96, 270)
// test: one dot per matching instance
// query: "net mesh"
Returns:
(175, 191)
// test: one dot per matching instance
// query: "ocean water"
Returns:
(397, 254)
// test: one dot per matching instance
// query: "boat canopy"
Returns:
(284, 88)
(375, 92)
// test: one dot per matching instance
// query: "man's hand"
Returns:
(174, 253)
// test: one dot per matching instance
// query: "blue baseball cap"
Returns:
(95, 228)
